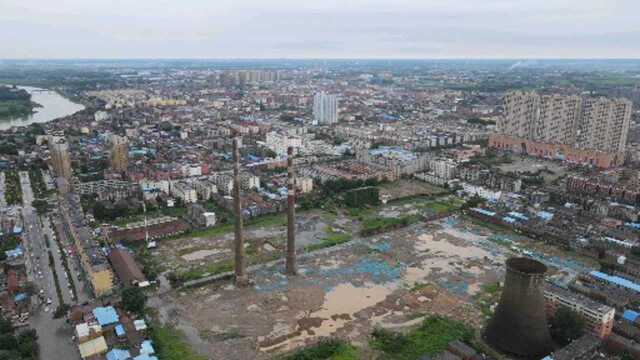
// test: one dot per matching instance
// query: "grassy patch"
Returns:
(378, 225)
(206, 270)
(489, 295)
(170, 344)
(331, 349)
(430, 338)
(334, 238)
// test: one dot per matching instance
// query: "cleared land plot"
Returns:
(408, 188)
(549, 170)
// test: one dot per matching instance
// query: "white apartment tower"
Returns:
(325, 109)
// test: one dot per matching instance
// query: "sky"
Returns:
(398, 29)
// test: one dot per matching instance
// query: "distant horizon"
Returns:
(328, 29)
(329, 58)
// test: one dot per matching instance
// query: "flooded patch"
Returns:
(203, 254)
(340, 306)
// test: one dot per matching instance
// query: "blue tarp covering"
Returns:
(20, 297)
(508, 219)
(518, 216)
(630, 315)
(628, 284)
(545, 215)
(17, 229)
(15, 253)
(145, 357)
(105, 315)
(120, 330)
(484, 212)
(147, 348)
(118, 354)
(633, 225)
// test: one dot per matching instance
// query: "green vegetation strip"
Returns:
(65, 265)
(13, 190)
(55, 279)
(377, 225)
(431, 338)
(331, 349)
(334, 238)
(171, 345)
(37, 183)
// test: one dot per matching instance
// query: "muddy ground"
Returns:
(390, 280)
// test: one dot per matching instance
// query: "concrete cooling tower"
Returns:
(519, 324)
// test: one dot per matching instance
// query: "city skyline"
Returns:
(331, 29)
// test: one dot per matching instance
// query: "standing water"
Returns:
(53, 106)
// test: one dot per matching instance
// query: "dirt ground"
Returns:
(556, 169)
(189, 252)
(407, 188)
(390, 280)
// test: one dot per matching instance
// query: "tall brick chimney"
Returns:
(291, 268)
(240, 263)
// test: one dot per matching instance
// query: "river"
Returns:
(53, 105)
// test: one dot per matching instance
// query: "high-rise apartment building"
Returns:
(604, 124)
(592, 123)
(325, 109)
(119, 153)
(60, 157)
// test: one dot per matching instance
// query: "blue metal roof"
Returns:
(106, 315)
(630, 315)
(628, 284)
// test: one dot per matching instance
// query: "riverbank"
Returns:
(51, 105)
(15, 102)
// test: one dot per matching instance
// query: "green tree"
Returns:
(5, 326)
(133, 300)
(566, 325)
(28, 344)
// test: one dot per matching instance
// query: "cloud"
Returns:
(328, 28)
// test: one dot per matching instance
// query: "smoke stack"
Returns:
(240, 266)
(519, 324)
(291, 268)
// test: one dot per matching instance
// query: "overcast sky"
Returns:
(320, 29)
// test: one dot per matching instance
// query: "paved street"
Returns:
(3, 201)
(55, 336)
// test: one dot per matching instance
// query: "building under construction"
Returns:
(119, 156)
(60, 157)
(519, 325)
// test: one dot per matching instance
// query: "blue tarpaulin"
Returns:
(105, 315)
(120, 330)
(630, 315)
(484, 212)
(118, 354)
(145, 357)
(545, 215)
(147, 348)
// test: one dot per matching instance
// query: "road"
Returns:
(3, 201)
(54, 335)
